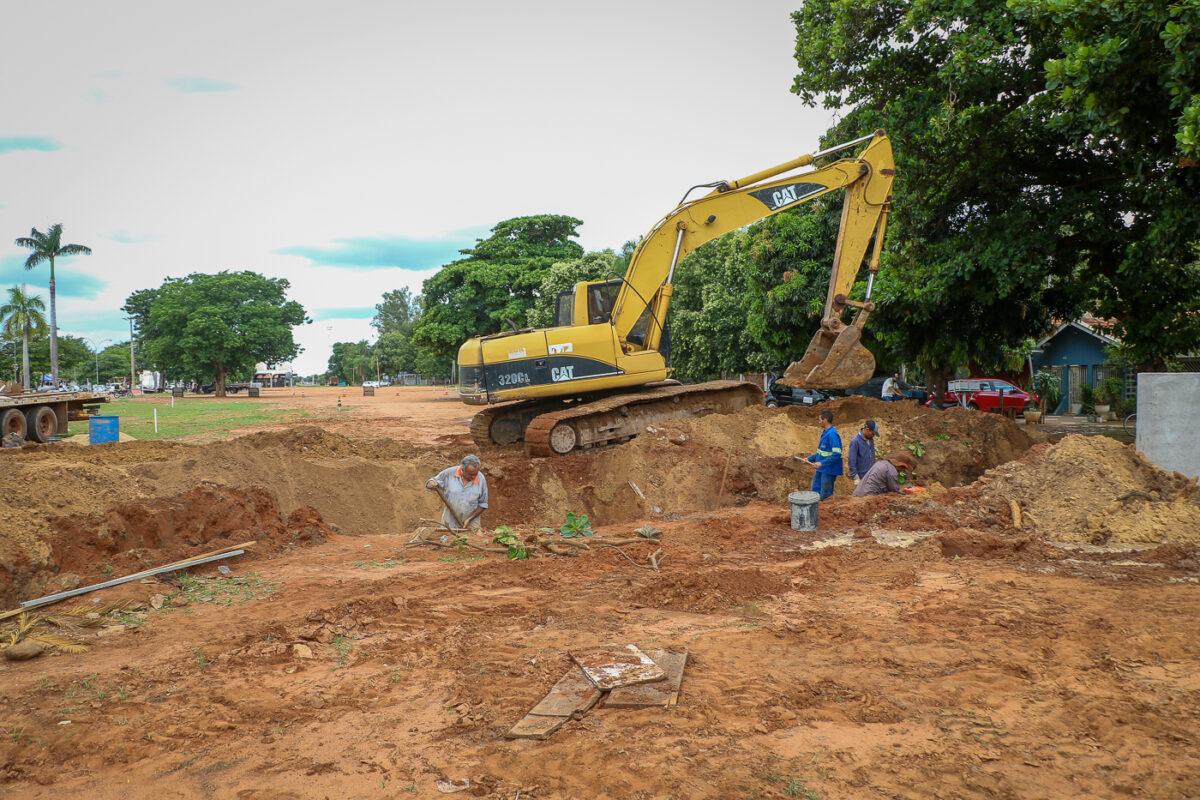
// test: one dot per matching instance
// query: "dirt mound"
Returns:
(719, 590)
(1095, 490)
(951, 447)
(131, 537)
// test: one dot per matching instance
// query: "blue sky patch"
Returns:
(342, 312)
(124, 237)
(380, 252)
(12, 144)
(192, 85)
(69, 281)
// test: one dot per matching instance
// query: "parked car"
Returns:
(874, 388)
(370, 384)
(780, 395)
(983, 394)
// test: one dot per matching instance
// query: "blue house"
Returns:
(1075, 353)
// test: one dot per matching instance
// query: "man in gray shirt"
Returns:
(466, 491)
(884, 477)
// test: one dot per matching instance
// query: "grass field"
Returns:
(192, 416)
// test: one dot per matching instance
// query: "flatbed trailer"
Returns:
(42, 416)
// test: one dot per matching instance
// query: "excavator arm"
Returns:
(834, 358)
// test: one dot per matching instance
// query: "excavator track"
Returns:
(505, 424)
(618, 418)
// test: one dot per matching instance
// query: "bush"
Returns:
(1113, 390)
(1048, 388)
(1087, 399)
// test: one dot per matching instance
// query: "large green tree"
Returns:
(752, 299)
(76, 361)
(113, 362)
(46, 247)
(213, 325)
(348, 361)
(23, 318)
(1011, 204)
(496, 282)
(398, 311)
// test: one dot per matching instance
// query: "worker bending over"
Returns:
(828, 457)
(884, 477)
(466, 492)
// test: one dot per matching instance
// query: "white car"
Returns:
(370, 384)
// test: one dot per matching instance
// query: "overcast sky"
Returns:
(354, 147)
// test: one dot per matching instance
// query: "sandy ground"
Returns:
(411, 414)
(912, 647)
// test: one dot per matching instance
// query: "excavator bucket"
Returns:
(831, 362)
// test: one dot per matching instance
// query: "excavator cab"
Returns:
(587, 303)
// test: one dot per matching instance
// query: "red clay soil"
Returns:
(865, 671)
(979, 661)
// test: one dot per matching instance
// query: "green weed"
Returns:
(226, 591)
(576, 526)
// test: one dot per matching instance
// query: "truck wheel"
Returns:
(42, 423)
(13, 421)
(772, 404)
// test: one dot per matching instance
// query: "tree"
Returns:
(23, 318)
(752, 299)
(497, 282)
(215, 325)
(1013, 203)
(398, 311)
(113, 362)
(396, 353)
(47, 247)
(76, 360)
(349, 360)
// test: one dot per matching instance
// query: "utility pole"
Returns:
(132, 374)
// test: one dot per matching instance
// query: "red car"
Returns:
(983, 394)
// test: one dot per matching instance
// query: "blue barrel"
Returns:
(102, 430)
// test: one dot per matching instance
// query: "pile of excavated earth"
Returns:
(1024, 627)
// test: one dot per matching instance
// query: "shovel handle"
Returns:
(453, 516)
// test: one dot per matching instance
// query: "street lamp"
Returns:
(96, 347)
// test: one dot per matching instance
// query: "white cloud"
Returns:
(375, 119)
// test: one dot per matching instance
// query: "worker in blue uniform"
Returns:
(828, 457)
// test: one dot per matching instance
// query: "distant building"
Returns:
(1076, 353)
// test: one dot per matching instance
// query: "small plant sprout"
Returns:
(505, 537)
(576, 526)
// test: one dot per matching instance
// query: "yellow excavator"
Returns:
(601, 375)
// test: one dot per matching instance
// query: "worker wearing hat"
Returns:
(884, 477)
(862, 451)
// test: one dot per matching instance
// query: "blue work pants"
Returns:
(822, 484)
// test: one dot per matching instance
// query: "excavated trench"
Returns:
(81, 514)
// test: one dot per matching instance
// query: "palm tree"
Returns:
(46, 247)
(23, 317)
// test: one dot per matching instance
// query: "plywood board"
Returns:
(532, 726)
(573, 692)
(616, 665)
(659, 693)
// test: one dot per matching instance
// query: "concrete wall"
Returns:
(1168, 405)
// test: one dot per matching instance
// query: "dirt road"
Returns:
(913, 647)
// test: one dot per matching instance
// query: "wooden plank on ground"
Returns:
(532, 726)
(658, 694)
(616, 665)
(573, 692)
